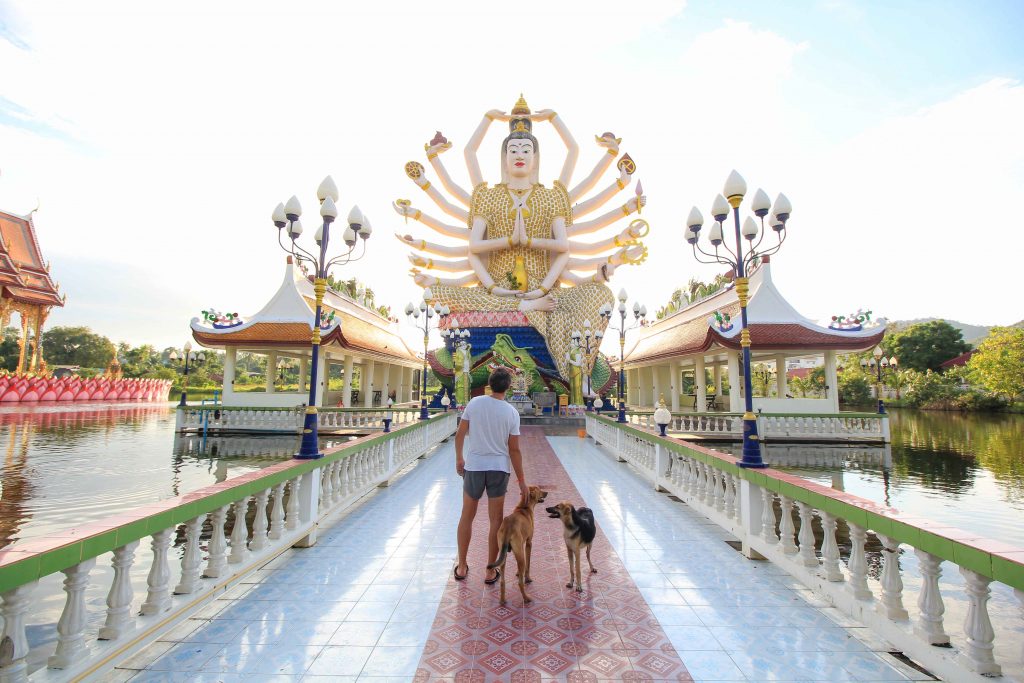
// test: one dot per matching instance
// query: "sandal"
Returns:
(455, 572)
(497, 575)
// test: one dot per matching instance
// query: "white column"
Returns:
(676, 384)
(780, 375)
(632, 386)
(271, 370)
(366, 383)
(657, 387)
(304, 374)
(321, 376)
(408, 374)
(832, 379)
(735, 398)
(230, 358)
(717, 372)
(385, 383)
(346, 387)
(700, 384)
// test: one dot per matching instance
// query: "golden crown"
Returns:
(521, 108)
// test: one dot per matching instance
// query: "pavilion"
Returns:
(704, 338)
(26, 287)
(352, 335)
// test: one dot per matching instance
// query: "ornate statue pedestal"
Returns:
(523, 405)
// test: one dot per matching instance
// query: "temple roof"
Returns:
(774, 325)
(24, 276)
(286, 322)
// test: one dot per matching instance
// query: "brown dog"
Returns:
(579, 530)
(516, 534)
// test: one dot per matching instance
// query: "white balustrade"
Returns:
(217, 559)
(119, 599)
(158, 596)
(14, 606)
(239, 533)
(71, 642)
(191, 559)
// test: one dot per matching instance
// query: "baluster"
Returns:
(192, 559)
(277, 513)
(336, 480)
(730, 497)
(326, 487)
(929, 601)
(13, 608)
(702, 482)
(217, 549)
(830, 549)
(891, 602)
(768, 517)
(977, 656)
(858, 564)
(259, 525)
(119, 599)
(239, 533)
(292, 517)
(806, 538)
(786, 527)
(158, 597)
(71, 626)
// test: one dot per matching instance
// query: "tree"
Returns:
(998, 364)
(77, 346)
(694, 291)
(854, 388)
(9, 349)
(926, 346)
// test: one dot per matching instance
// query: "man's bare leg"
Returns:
(465, 533)
(495, 512)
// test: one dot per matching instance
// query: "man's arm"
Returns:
(460, 438)
(516, 456)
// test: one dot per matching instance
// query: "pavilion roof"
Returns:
(24, 276)
(773, 323)
(286, 322)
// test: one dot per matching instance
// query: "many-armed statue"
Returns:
(517, 267)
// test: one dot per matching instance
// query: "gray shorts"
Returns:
(496, 483)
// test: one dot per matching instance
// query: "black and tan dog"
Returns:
(579, 530)
(516, 534)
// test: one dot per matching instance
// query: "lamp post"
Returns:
(877, 364)
(459, 339)
(286, 216)
(588, 334)
(413, 315)
(639, 318)
(662, 416)
(189, 359)
(741, 264)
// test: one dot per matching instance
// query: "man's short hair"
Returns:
(500, 380)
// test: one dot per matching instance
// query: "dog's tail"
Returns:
(501, 556)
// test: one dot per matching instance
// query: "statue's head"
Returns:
(520, 152)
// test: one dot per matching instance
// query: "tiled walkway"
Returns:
(374, 599)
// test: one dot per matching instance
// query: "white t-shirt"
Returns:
(491, 422)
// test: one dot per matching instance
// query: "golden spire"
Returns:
(521, 108)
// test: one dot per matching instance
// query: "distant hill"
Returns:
(973, 334)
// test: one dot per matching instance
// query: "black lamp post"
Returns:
(588, 334)
(189, 359)
(287, 216)
(413, 315)
(741, 264)
(639, 318)
(878, 363)
(459, 338)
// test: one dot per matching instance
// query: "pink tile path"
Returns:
(605, 633)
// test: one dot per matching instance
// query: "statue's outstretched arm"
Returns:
(632, 254)
(425, 280)
(472, 165)
(572, 148)
(433, 156)
(625, 238)
(431, 247)
(445, 205)
(602, 197)
(611, 145)
(409, 211)
(458, 266)
(606, 219)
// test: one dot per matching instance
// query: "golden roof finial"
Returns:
(521, 108)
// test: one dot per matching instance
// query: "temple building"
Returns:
(26, 287)
(352, 336)
(703, 340)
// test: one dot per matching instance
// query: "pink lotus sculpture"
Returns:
(24, 389)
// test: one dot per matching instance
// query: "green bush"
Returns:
(981, 400)
(854, 388)
(934, 390)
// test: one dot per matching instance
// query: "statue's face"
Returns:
(520, 158)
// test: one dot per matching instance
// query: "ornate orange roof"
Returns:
(24, 276)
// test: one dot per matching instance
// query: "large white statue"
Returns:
(517, 252)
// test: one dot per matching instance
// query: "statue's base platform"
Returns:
(552, 420)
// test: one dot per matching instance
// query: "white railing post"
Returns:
(277, 513)
(217, 561)
(929, 602)
(751, 512)
(71, 626)
(830, 549)
(259, 524)
(291, 520)
(119, 599)
(786, 527)
(891, 601)
(806, 537)
(192, 559)
(239, 533)
(768, 534)
(158, 596)
(978, 627)
(309, 503)
(858, 564)
(14, 606)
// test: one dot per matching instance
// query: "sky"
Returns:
(156, 139)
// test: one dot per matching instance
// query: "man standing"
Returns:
(492, 426)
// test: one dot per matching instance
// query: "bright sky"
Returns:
(158, 138)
